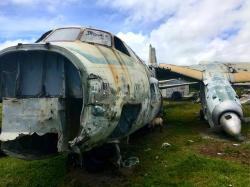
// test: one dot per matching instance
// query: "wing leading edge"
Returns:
(193, 73)
(238, 72)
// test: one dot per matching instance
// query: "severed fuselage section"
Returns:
(41, 93)
(74, 90)
(221, 106)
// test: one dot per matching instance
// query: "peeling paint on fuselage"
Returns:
(218, 96)
(110, 80)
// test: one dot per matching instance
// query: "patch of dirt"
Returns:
(226, 150)
(216, 134)
(80, 177)
(220, 145)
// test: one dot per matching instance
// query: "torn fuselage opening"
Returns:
(42, 95)
(128, 117)
(32, 146)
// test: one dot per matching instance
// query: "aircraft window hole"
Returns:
(120, 46)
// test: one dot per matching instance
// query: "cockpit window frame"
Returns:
(129, 52)
(77, 38)
(111, 37)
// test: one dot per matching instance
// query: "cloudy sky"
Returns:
(183, 32)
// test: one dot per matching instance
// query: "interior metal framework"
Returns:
(38, 89)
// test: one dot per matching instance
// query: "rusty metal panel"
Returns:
(29, 116)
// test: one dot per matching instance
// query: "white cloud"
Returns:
(16, 26)
(199, 30)
(145, 11)
(187, 32)
(10, 43)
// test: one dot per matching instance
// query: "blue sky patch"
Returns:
(229, 33)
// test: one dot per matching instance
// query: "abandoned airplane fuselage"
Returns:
(77, 88)
(220, 103)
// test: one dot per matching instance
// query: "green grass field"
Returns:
(196, 157)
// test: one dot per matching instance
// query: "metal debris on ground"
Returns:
(236, 144)
(220, 154)
(130, 162)
(190, 141)
(165, 145)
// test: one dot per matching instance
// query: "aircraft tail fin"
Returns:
(152, 56)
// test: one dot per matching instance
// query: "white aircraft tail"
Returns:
(152, 56)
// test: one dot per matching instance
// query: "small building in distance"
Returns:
(176, 92)
(171, 87)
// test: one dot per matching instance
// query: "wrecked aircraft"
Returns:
(73, 90)
(220, 104)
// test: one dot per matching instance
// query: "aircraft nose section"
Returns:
(231, 123)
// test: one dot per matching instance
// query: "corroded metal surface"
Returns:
(217, 95)
(112, 80)
(28, 116)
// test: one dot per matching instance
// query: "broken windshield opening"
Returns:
(67, 34)
(42, 94)
(38, 74)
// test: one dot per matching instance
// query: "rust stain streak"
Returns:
(112, 68)
(123, 66)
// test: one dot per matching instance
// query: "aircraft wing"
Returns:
(174, 83)
(191, 72)
(239, 72)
